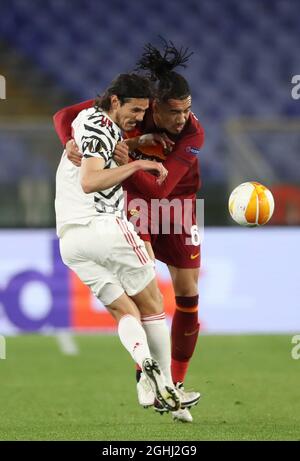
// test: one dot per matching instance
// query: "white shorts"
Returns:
(108, 256)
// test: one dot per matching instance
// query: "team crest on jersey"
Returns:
(193, 150)
(95, 145)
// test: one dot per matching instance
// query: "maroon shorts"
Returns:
(175, 249)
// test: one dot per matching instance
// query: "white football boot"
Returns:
(187, 399)
(167, 396)
(183, 415)
(144, 392)
(146, 398)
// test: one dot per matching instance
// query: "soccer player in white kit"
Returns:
(100, 245)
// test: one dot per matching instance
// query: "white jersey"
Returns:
(96, 136)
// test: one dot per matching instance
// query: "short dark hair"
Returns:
(173, 86)
(159, 68)
(126, 86)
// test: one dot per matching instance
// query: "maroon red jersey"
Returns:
(182, 162)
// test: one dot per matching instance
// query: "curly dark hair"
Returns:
(159, 68)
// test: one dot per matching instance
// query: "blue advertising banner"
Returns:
(249, 282)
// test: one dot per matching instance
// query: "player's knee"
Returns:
(119, 311)
(187, 290)
(123, 306)
(153, 304)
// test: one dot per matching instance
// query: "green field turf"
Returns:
(250, 387)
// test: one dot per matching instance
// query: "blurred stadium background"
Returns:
(57, 52)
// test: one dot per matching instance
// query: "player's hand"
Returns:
(121, 153)
(155, 168)
(153, 139)
(73, 153)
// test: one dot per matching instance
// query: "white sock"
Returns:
(133, 338)
(158, 337)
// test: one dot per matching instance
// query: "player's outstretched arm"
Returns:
(95, 178)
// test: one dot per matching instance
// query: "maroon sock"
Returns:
(184, 335)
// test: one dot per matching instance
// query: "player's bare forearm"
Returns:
(94, 178)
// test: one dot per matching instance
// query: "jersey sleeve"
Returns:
(93, 141)
(179, 162)
(63, 119)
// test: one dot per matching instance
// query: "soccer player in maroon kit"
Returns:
(169, 133)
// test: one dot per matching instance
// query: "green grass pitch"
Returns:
(250, 389)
